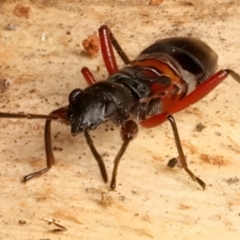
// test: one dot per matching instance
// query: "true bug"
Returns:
(165, 78)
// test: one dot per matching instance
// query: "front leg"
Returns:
(49, 154)
(97, 156)
(60, 115)
(128, 132)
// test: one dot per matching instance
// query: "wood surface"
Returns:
(41, 55)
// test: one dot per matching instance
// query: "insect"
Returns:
(165, 78)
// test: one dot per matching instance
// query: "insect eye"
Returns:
(74, 95)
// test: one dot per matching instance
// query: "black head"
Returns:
(87, 110)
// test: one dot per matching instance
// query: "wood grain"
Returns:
(41, 56)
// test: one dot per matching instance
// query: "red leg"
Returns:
(88, 76)
(107, 50)
(107, 40)
(155, 120)
(193, 97)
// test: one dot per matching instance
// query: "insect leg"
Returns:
(107, 40)
(48, 147)
(60, 115)
(128, 132)
(49, 154)
(97, 157)
(88, 76)
(181, 157)
(201, 91)
(29, 116)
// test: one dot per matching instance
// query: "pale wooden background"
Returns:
(41, 63)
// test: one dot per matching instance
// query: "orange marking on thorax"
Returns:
(161, 66)
(172, 94)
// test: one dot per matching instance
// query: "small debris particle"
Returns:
(21, 11)
(155, 2)
(98, 68)
(8, 82)
(183, 206)
(233, 180)
(60, 228)
(187, 3)
(91, 45)
(56, 135)
(172, 162)
(57, 148)
(146, 218)
(106, 200)
(32, 91)
(4, 84)
(135, 192)
(105, 154)
(44, 37)
(214, 160)
(11, 27)
(218, 133)
(22, 222)
(199, 127)
(92, 190)
(122, 198)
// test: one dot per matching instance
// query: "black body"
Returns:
(190, 59)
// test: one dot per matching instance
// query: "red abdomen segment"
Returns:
(188, 63)
(165, 81)
(201, 91)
